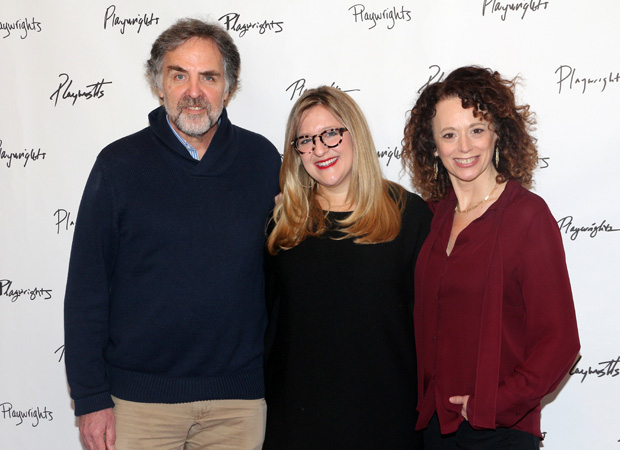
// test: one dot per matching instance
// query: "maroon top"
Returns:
(495, 319)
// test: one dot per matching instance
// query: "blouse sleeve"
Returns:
(551, 339)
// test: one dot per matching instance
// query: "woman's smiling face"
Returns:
(465, 143)
(331, 168)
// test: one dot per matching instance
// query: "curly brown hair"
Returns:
(493, 99)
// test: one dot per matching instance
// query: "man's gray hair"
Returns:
(178, 34)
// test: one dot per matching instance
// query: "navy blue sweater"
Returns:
(165, 294)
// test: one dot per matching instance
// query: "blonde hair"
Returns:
(378, 202)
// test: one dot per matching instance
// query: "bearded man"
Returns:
(164, 306)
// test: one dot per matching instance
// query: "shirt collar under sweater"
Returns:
(219, 156)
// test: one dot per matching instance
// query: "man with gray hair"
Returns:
(164, 307)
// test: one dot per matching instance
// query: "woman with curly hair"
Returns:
(340, 359)
(494, 317)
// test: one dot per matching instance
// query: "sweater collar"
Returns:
(220, 154)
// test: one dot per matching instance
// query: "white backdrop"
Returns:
(71, 81)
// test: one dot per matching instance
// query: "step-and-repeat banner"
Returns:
(72, 81)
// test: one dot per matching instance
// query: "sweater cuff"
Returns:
(93, 404)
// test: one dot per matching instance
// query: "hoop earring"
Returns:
(496, 156)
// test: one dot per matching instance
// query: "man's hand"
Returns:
(461, 400)
(98, 430)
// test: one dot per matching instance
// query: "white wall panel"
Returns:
(567, 53)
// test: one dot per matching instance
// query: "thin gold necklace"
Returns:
(456, 208)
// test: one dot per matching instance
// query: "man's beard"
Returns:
(191, 124)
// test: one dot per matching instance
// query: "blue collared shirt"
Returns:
(192, 151)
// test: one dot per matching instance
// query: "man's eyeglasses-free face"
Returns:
(330, 138)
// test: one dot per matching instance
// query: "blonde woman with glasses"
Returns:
(342, 245)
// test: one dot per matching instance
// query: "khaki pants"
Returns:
(212, 424)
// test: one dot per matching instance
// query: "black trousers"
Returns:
(467, 438)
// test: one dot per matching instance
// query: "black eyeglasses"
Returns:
(330, 138)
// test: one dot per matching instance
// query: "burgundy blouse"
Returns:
(495, 319)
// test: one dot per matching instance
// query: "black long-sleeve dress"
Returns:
(340, 363)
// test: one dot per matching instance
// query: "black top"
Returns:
(341, 365)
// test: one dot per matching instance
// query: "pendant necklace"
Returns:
(456, 208)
